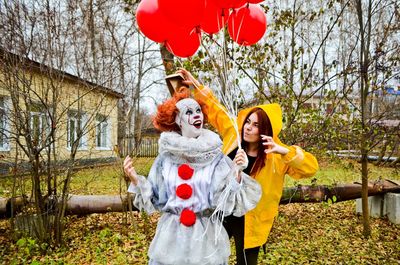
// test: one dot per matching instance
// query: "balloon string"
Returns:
(228, 93)
(231, 116)
(228, 96)
(239, 29)
(235, 96)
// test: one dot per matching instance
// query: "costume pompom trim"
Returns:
(188, 217)
(184, 191)
(185, 171)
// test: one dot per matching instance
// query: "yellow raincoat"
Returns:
(297, 164)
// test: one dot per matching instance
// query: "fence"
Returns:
(148, 147)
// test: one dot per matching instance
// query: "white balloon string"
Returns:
(239, 29)
(235, 70)
(231, 115)
(227, 94)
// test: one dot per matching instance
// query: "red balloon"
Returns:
(183, 13)
(184, 43)
(247, 25)
(214, 18)
(152, 22)
(255, 1)
(229, 3)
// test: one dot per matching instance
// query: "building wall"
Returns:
(64, 95)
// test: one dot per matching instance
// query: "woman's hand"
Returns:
(130, 170)
(189, 79)
(241, 159)
(272, 147)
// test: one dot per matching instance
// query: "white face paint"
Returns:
(190, 117)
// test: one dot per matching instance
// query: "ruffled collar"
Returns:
(196, 151)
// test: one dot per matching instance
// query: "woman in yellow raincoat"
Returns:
(269, 160)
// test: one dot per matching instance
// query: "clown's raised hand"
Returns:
(188, 78)
(130, 170)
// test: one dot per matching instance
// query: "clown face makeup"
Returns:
(190, 117)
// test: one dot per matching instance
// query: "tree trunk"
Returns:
(365, 33)
(88, 204)
(168, 60)
(337, 193)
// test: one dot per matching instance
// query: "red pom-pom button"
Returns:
(184, 191)
(185, 171)
(188, 217)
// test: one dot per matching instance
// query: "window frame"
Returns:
(101, 120)
(44, 126)
(5, 108)
(77, 116)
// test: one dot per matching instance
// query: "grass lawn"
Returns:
(302, 233)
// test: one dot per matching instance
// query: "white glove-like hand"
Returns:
(241, 161)
(189, 79)
(130, 171)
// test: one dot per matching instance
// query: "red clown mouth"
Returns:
(197, 124)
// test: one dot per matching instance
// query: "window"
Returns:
(75, 129)
(4, 132)
(102, 132)
(39, 126)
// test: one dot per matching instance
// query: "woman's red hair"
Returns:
(264, 127)
(164, 120)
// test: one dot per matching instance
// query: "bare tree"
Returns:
(44, 43)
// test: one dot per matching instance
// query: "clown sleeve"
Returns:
(229, 196)
(150, 193)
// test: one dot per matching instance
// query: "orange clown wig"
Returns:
(164, 120)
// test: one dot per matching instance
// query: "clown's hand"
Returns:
(188, 78)
(241, 161)
(130, 171)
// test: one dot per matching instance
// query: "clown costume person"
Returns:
(193, 185)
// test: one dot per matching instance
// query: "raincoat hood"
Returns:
(274, 113)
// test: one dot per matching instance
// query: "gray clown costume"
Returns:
(211, 191)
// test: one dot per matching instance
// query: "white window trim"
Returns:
(108, 136)
(42, 129)
(84, 138)
(7, 107)
(85, 145)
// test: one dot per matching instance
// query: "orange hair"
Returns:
(164, 120)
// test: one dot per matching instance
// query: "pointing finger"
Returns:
(268, 143)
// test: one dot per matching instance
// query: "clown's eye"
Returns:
(189, 112)
(198, 110)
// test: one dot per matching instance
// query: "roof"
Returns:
(44, 68)
(392, 90)
(388, 123)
